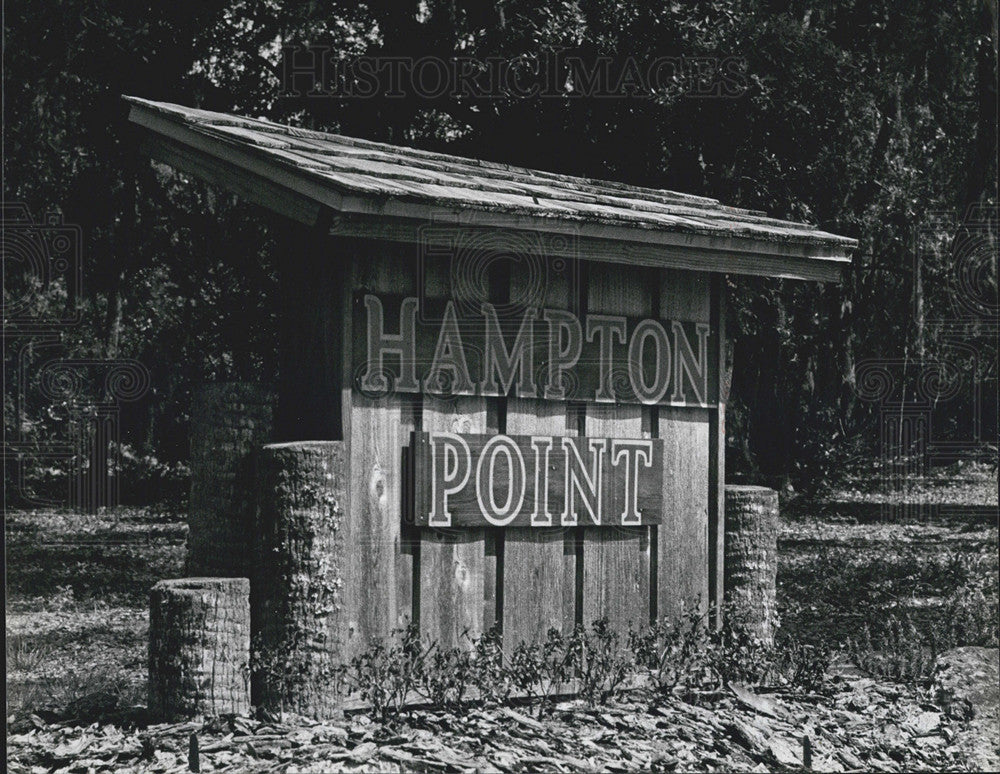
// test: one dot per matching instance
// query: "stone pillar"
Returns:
(199, 648)
(751, 558)
(229, 422)
(298, 579)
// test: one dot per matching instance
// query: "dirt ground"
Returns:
(77, 624)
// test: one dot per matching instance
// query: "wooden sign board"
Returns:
(439, 347)
(536, 480)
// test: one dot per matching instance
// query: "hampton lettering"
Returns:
(536, 353)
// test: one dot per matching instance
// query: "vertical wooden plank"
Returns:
(717, 454)
(682, 538)
(378, 593)
(408, 546)
(493, 541)
(539, 570)
(452, 569)
(616, 559)
(684, 295)
(452, 562)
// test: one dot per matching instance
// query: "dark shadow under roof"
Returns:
(388, 192)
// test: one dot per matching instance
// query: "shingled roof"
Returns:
(389, 192)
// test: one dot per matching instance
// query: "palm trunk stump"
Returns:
(298, 577)
(229, 422)
(199, 647)
(751, 559)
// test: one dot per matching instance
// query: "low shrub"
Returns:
(894, 649)
(803, 666)
(893, 645)
(445, 675)
(737, 655)
(26, 654)
(604, 664)
(970, 617)
(673, 650)
(490, 674)
(386, 673)
(541, 669)
(680, 655)
(104, 692)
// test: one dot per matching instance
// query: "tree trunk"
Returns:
(751, 562)
(981, 178)
(298, 577)
(199, 647)
(229, 421)
(113, 319)
(311, 319)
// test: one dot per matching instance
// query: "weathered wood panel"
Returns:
(684, 295)
(713, 257)
(452, 562)
(380, 565)
(539, 570)
(539, 583)
(456, 580)
(682, 538)
(616, 559)
(717, 456)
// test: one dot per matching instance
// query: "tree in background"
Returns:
(863, 118)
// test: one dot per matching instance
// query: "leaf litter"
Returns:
(895, 730)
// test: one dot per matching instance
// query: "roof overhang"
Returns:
(191, 142)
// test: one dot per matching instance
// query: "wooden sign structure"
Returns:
(444, 320)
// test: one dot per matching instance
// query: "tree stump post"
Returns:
(229, 422)
(297, 583)
(199, 647)
(751, 558)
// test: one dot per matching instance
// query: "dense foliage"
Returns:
(868, 119)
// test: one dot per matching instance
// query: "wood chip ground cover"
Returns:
(77, 627)
(893, 732)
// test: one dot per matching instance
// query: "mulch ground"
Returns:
(860, 726)
(77, 625)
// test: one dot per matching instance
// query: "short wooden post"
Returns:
(199, 647)
(298, 578)
(229, 421)
(751, 558)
